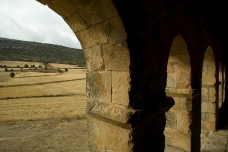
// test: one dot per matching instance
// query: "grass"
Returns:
(29, 109)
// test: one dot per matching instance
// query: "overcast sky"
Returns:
(31, 21)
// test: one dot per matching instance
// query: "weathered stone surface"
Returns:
(212, 95)
(171, 80)
(204, 94)
(63, 8)
(178, 139)
(116, 56)
(111, 138)
(114, 29)
(120, 87)
(208, 107)
(183, 77)
(75, 22)
(216, 142)
(171, 120)
(99, 86)
(92, 36)
(169, 148)
(208, 126)
(109, 110)
(98, 11)
(211, 117)
(183, 121)
(182, 104)
(94, 60)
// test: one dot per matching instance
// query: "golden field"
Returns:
(35, 104)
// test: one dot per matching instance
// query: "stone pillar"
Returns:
(119, 129)
(114, 124)
(183, 123)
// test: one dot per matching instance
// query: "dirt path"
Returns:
(44, 136)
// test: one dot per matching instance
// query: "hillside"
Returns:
(16, 50)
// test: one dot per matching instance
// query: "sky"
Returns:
(29, 20)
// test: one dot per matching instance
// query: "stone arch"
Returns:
(179, 67)
(99, 28)
(178, 129)
(208, 91)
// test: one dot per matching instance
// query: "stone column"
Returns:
(183, 122)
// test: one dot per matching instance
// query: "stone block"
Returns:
(182, 104)
(212, 95)
(75, 22)
(170, 68)
(120, 87)
(204, 94)
(171, 80)
(183, 79)
(208, 107)
(178, 139)
(183, 121)
(116, 56)
(114, 29)
(92, 36)
(97, 11)
(171, 120)
(63, 8)
(104, 136)
(208, 126)
(211, 117)
(203, 116)
(94, 60)
(98, 86)
(110, 110)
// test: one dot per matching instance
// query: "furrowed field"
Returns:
(42, 110)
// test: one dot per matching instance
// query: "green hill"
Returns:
(16, 50)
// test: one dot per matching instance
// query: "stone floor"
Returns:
(217, 141)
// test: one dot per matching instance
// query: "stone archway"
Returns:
(178, 124)
(208, 91)
(101, 33)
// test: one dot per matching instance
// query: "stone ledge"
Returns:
(110, 121)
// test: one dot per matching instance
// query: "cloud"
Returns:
(31, 21)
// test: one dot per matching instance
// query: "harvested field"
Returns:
(43, 111)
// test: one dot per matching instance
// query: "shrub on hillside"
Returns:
(26, 66)
(6, 69)
(66, 69)
(12, 74)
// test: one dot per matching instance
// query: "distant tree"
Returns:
(66, 69)
(6, 69)
(11, 70)
(26, 66)
(17, 66)
(4, 66)
(12, 74)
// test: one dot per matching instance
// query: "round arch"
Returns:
(102, 35)
(208, 94)
(179, 88)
